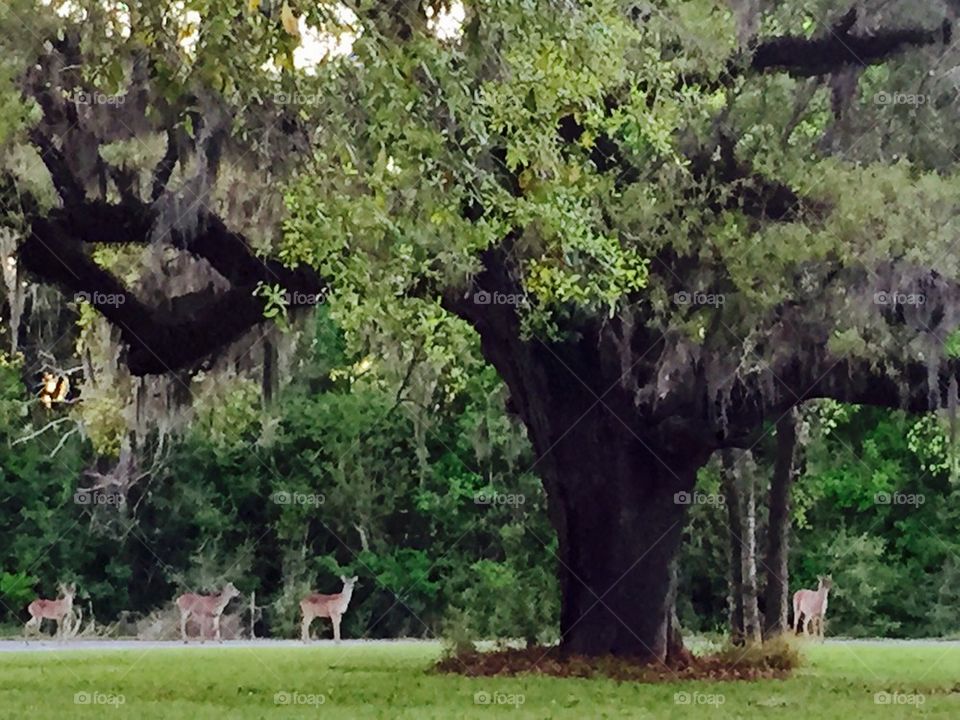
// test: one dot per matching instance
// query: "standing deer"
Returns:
(205, 606)
(58, 610)
(811, 605)
(316, 605)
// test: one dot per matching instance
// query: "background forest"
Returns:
(430, 497)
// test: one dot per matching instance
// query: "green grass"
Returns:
(392, 681)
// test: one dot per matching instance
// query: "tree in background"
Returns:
(786, 466)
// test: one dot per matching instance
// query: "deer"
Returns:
(811, 605)
(205, 606)
(316, 605)
(58, 610)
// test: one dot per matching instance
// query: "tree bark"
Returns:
(731, 494)
(778, 584)
(619, 526)
(677, 653)
(269, 381)
(748, 554)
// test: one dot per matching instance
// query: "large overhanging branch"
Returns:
(907, 386)
(189, 328)
(808, 57)
(759, 197)
(798, 362)
(159, 340)
(916, 382)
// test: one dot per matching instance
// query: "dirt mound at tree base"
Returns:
(774, 660)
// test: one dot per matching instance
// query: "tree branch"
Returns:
(37, 433)
(805, 57)
(67, 186)
(164, 169)
(159, 341)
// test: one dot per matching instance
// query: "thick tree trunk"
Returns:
(777, 591)
(617, 481)
(619, 526)
(731, 494)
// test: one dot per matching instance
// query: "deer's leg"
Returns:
(183, 626)
(29, 628)
(335, 619)
(305, 628)
(216, 628)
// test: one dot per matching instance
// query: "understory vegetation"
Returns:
(439, 511)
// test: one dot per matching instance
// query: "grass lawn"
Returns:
(840, 680)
